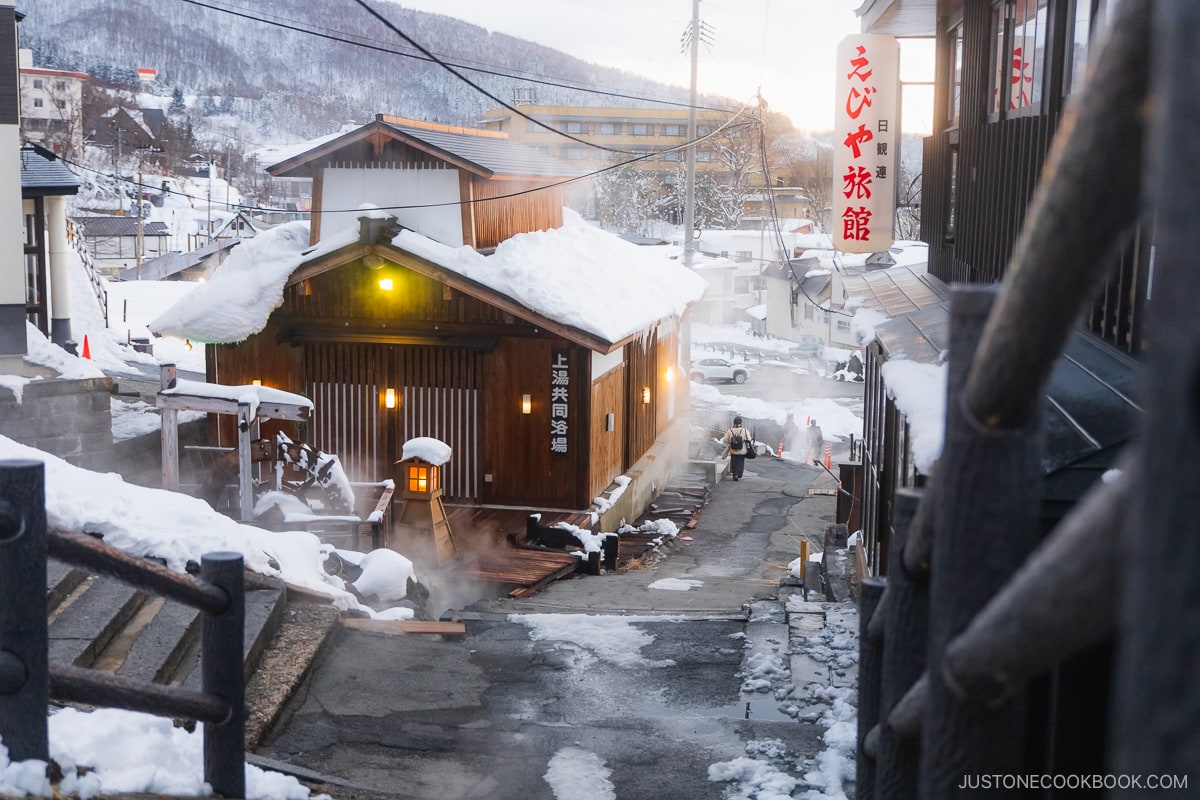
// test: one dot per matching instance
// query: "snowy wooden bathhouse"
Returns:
(444, 292)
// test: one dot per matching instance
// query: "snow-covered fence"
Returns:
(89, 266)
(28, 680)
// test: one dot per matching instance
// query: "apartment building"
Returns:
(51, 106)
(616, 133)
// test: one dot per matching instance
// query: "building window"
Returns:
(1084, 22)
(673, 130)
(703, 130)
(843, 325)
(1019, 56)
(37, 102)
(672, 155)
(641, 129)
(576, 153)
(60, 103)
(61, 86)
(575, 127)
(704, 155)
(608, 129)
(37, 83)
(954, 104)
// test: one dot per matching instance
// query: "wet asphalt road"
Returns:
(487, 717)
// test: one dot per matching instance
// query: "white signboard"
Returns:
(866, 124)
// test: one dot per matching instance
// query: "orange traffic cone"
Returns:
(828, 456)
(780, 454)
(87, 351)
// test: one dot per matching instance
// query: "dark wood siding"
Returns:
(641, 361)
(516, 447)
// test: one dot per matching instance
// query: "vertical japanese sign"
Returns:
(866, 125)
(560, 384)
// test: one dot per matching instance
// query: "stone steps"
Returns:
(102, 623)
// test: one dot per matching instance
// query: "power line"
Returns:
(486, 69)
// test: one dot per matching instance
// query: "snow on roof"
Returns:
(254, 395)
(427, 448)
(577, 275)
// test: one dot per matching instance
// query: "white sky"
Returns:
(786, 47)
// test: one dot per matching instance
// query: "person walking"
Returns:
(737, 444)
(815, 441)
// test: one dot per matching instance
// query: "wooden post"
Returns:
(24, 651)
(245, 423)
(986, 523)
(223, 673)
(167, 379)
(906, 636)
(1157, 695)
(870, 668)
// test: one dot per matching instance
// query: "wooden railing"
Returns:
(28, 680)
(968, 644)
(89, 266)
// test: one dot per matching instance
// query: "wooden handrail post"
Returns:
(906, 622)
(24, 647)
(986, 523)
(223, 671)
(870, 667)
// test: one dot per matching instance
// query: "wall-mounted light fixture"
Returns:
(669, 374)
(389, 398)
(526, 404)
(646, 395)
(256, 382)
(610, 422)
(386, 284)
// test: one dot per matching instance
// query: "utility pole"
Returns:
(689, 203)
(208, 231)
(140, 239)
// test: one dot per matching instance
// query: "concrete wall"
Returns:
(67, 418)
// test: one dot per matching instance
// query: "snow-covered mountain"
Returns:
(297, 68)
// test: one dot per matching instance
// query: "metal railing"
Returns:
(28, 681)
(970, 649)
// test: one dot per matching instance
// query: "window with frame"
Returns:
(954, 64)
(608, 129)
(60, 103)
(575, 127)
(704, 155)
(641, 129)
(672, 155)
(1086, 20)
(37, 102)
(843, 325)
(61, 86)
(1019, 58)
(673, 130)
(703, 130)
(37, 83)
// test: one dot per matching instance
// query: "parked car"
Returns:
(718, 369)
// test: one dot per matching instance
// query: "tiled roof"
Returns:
(496, 155)
(42, 176)
(119, 226)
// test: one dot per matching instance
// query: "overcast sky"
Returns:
(785, 46)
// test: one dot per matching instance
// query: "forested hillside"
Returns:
(303, 67)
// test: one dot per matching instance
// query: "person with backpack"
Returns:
(737, 444)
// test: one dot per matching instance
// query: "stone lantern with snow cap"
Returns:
(419, 520)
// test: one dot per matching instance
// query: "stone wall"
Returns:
(67, 418)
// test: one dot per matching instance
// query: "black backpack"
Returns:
(735, 440)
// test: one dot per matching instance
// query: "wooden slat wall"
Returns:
(607, 447)
(642, 370)
(499, 219)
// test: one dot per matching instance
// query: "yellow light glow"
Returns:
(389, 398)
(646, 395)
(256, 382)
(386, 284)
(418, 479)
(526, 404)
(670, 374)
